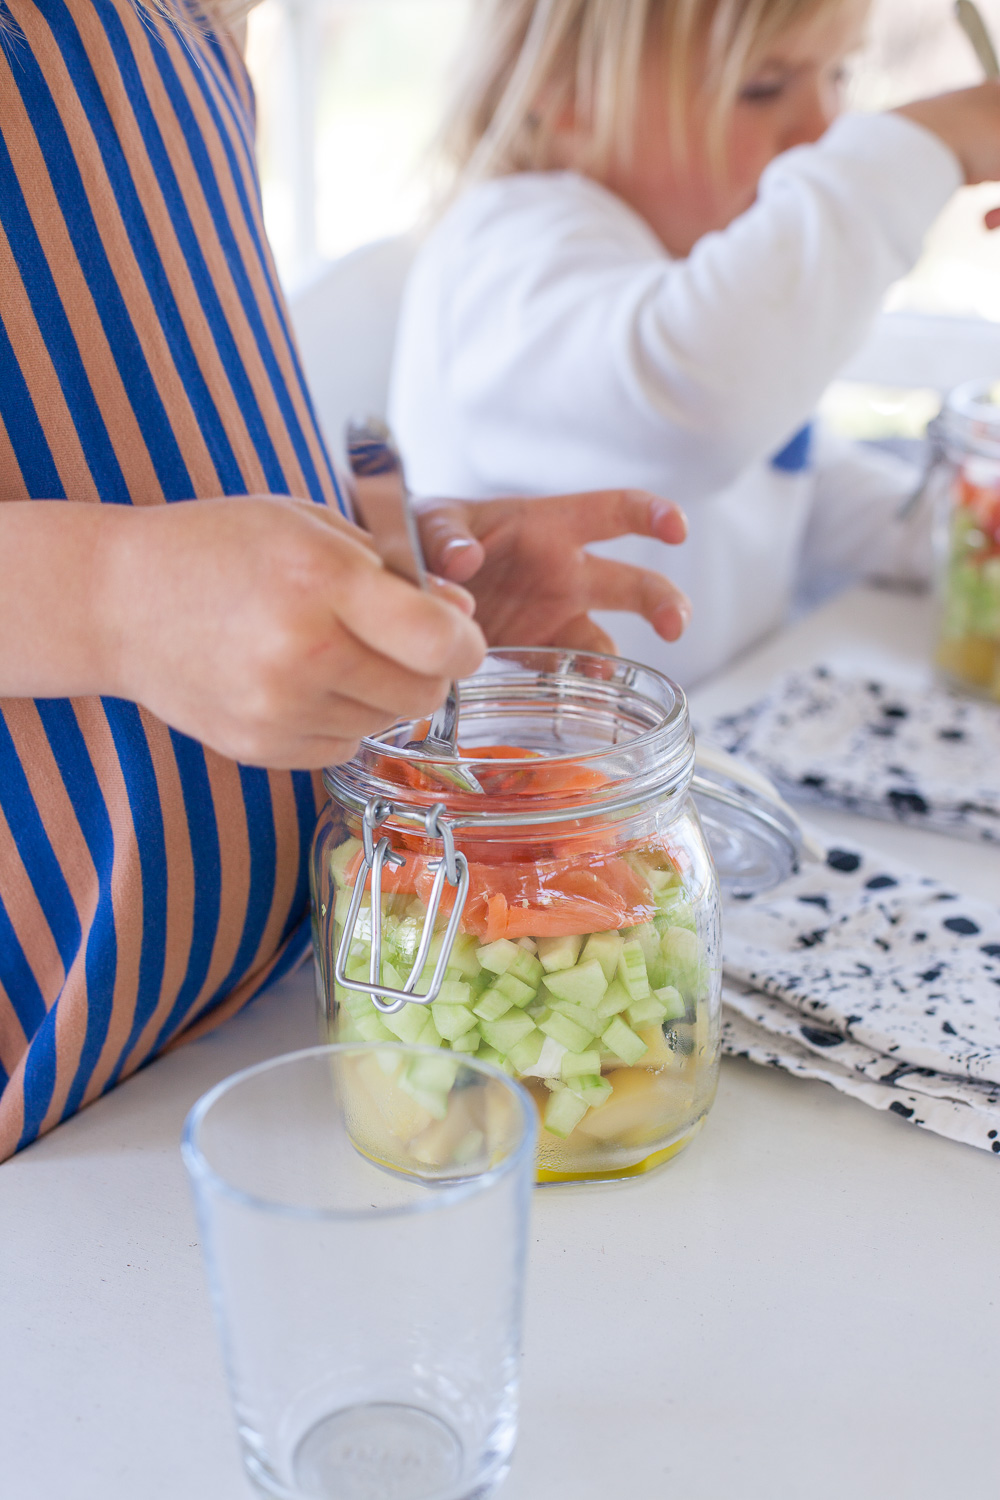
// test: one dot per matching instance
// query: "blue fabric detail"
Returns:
(797, 456)
(147, 818)
(101, 956)
(48, 309)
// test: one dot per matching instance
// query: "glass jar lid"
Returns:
(756, 839)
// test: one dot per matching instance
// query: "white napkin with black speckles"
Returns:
(923, 757)
(878, 980)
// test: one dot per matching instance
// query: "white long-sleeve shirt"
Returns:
(548, 343)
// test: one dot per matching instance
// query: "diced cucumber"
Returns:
(498, 957)
(527, 969)
(632, 970)
(452, 1020)
(646, 935)
(645, 1012)
(357, 965)
(585, 984)
(498, 1059)
(557, 953)
(390, 976)
(430, 1036)
(605, 947)
(682, 956)
(517, 992)
(341, 907)
(430, 963)
(672, 1001)
(656, 971)
(620, 1039)
(549, 1064)
(438, 1072)
(464, 956)
(454, 992)
(371, 1028)
(591, 1088)
(616, 999)
(584, 1015)
(468, 1043)
(563, 1113)
(674, 910)
(341, 857)
(528, 944)
(491, 1005)
(409, 1024)
(507, 1032)
(578, 1064)
(569, 1033)
(356, 1002)
(429, 1081)
(525, 1054)
(402, 937)
(482, 982)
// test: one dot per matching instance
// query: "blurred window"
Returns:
(348, 97)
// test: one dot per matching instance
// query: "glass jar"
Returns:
(563, 923)
(967, 533)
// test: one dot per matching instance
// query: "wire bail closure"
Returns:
(452, 867)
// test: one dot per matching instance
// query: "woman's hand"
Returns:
(268, 629)
(264, 627)
(533, 582)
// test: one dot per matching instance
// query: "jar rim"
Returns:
(970, 419)
(649, 754)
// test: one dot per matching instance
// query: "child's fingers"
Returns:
(451, 549)
(584, 634)
(615, 585)
(604, 514)
(992, 219)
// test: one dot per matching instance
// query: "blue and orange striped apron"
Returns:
(148, 887)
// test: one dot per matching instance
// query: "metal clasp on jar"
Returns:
(453, 867)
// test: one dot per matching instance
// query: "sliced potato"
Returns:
(643, 1106)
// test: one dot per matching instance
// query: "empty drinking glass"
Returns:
(364, 1217)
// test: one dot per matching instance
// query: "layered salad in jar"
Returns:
(969, 644)
(583, 966)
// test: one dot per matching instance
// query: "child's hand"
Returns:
(267, 629)
(534, 585)
(969, 123)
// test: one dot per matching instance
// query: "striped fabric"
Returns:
(148, 887)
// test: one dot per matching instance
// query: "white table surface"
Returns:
(803, 1306)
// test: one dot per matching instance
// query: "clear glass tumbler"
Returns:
(364, 1214)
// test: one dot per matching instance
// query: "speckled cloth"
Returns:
(882, 982)
(904, 756)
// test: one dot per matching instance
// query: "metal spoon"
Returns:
(384, 508)
(972, 23)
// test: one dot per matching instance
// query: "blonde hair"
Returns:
(530, 64)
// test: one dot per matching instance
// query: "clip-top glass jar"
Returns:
(967, 436)
(563, 923)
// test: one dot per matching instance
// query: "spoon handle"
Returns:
(384, 509)
(972, 23)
